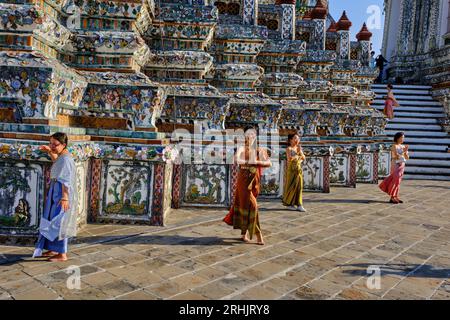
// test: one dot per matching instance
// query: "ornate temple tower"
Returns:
(343, 30)
(417, 42)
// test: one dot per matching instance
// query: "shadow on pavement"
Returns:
(361, 201)
(157, 239)
(8, 259)
(423, 271)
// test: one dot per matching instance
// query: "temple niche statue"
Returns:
(121, 76)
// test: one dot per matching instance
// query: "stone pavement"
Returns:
(322, 254)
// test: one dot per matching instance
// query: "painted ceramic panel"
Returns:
(21, 194)
(364, 167)
(271, 180)
(313, 174)
(125, 189)
(205, 185)
(168, 188)
(128, 99)
(384, 164)
(81, 168)
(31, 85)
(339, 169)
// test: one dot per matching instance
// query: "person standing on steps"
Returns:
(390, 103)
(293, 187)
(372, 61)
(399, 155)
(380, 62)
(244, 214)
(59, 219)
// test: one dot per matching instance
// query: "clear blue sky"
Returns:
(357, 13)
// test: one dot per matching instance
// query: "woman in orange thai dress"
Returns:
(244, 213)
(390, 103)
(399, 154)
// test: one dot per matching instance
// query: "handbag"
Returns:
(50, 228)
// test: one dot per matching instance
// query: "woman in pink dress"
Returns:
(390, 102)
(399, 155)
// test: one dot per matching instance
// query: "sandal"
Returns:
(57, 258)
(49, 254)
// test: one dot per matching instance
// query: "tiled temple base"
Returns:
(272, 180)
(23, 190)
(367, 167)
(214, 185)
(221, 65)
(124, 185)
(131, 192)
(342, 170)
(384, 162)
(205, 185)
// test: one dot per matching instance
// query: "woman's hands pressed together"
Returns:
(65, 204)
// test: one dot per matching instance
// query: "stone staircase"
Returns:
(418, 117)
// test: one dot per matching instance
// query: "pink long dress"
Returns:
(391, 184)
(388, 108)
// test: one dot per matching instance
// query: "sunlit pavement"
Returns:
(351, 244)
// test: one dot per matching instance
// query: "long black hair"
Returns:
(398, 135)
(291, 136)
(249, 128)
(61, 137)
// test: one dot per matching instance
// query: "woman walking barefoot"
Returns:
(399, 154)
(58, 222)
(244, 213)
(390, 103)
(293, 187)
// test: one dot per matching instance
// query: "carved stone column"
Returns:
(319, 15)
(343, 30)
(288, 22)
(250, 12)
(364, 37)
(176, 186)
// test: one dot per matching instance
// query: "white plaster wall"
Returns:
(444, 17)
(393, 28)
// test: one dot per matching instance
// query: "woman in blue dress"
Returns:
(58, 222)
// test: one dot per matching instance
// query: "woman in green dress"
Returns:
(293, 186)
